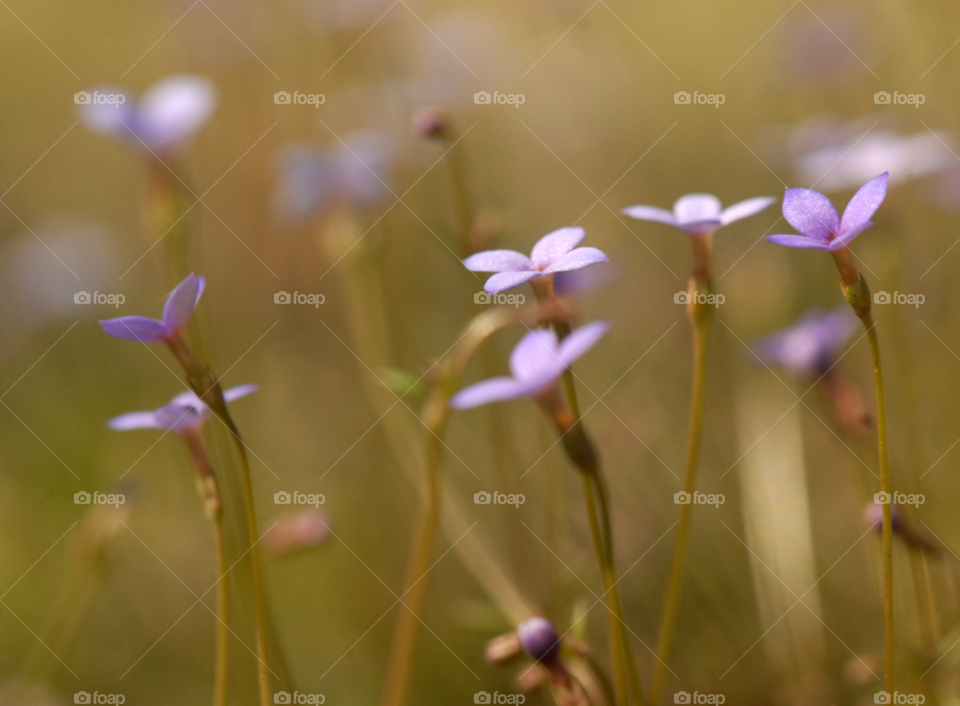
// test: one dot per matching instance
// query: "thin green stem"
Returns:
(671, 607)
(222, 682)
(888, 676)
(414, 597)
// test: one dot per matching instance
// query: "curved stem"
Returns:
(414, 597)
(671, 607)
(888, 661)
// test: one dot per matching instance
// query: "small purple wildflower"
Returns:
(811, 213)
(539, 639)
(699, 214)
(536, 364)
(176, 313)
(810, 346)
(554, 252)
(164, 118)
(185, 413)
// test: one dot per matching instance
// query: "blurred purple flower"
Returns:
(810, 346)
(176, 313)
(539, 639)
(167, 115)
(536, 364)
(186, 412)
(554, 252)
(696, 214)
(313, 180)
(811, 213)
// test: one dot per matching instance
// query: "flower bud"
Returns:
(433, 124)
(539, 639)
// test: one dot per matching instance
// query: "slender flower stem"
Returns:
(414, 597)
(222, 681)
(888, 676)
(671, 607)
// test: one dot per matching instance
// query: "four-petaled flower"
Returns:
(811, 213)
(810, 346)
(186, 412)
(698, 214)
(554, 252)
(163, 119)
(176, 313)
(536, 364)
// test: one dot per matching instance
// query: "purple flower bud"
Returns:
(539, 639)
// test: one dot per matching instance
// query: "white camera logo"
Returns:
(85, 697)
(681, 98)
(281, 497)
(881, 98)
(482, 498)
(97, 298)
(97, 98)
(481, 98)
(482, 697)
(281, 98)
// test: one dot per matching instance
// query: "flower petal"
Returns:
(181, 303)
(864, 203)
(492, 390)
(179, 418)
(111, 119)
(798, 241)
(498, 261)
(651, 213)
(582, 340)
(135, 420)
(235, 393)
(846, 238)
(135, 328)
(535, 356)
(694, 208)
(576, 260)
(745, 209)
(555, 245)
(811, 213)
(508, 280)
(172, 110)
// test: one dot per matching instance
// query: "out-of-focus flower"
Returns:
(185, 412)
(810, 346)
(539, 639)
(313, 180)
(164, 118)
(536, 364)
(554, 252)
(176, 313)
(913, 534)
(296, 532)
(696, 214)
(811, 213)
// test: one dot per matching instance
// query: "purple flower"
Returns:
(554, 252)
(186, 412)
(163, 119)
(809, 346)
(536, 364)
(176, 313)
(698, 214)
(811, 213)
(539, 639)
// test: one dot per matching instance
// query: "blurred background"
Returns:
(782, 597)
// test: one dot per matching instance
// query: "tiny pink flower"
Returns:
(176, 313)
